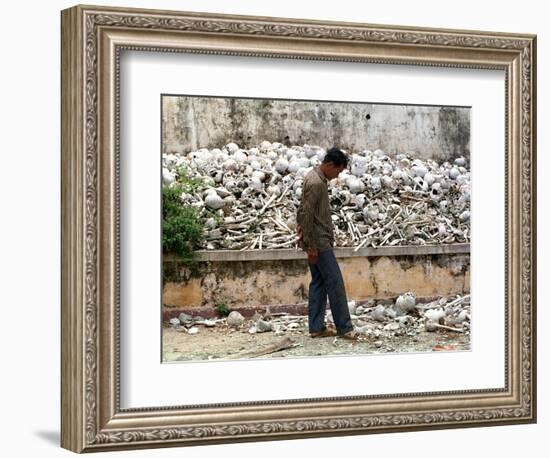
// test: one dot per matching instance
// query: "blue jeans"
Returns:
(326, 279)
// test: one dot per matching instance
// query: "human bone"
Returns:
(235, 319)
(398, 200)
(213, 200)
(406, 302)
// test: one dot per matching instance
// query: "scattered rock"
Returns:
(379, 313)
(185, 318)
(430, 326)
(256, 317)
(264, 326)
(235, 319)
(391, 327)
(434, 315)
(175, 322)
(193, 330)
(446, 314)
(406, 302)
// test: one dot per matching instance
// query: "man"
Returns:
(316, 233)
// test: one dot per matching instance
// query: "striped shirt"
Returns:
(313, 214)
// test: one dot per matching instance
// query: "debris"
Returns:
(434, 315)
(256, 317)
(193, 330)
(352, 305)
(185, 318)
(282, 345)
(447, 328)
(406, 302)
(264, 326)
(174, 322)
(430, 326)
(379, 313)
(462, 316)
(377, 319)
(235, 319)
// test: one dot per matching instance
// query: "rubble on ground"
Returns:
(374, 319)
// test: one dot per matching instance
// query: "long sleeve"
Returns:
(306, 214)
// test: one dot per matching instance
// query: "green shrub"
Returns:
(182, 227)
(222, 309)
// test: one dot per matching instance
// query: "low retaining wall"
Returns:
(246, 280)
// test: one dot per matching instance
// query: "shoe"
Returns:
(324, 333)
(350, 335)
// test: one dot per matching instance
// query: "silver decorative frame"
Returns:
(92, 38)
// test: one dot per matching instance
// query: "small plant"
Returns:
(222, 309)
(189, 184)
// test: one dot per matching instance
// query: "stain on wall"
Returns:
(249, 284)
(436, 132)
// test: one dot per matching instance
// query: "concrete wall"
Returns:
(284, 282)
(441, 133)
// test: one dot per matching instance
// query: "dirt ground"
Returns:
(222, 342)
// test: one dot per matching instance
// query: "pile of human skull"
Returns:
(250, 196)
(373, 319)
(405, 316)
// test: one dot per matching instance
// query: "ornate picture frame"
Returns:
(92, 40)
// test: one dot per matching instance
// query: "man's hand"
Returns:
(312, 256)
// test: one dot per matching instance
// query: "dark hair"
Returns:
(336, 156)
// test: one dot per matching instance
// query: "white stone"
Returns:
(454, 173)
(184, 317)
(460, 161)
(214, 201)
(264, 326)
(235, 319)
(281, 165)
(434, 314)
(406, 302)
(232, 147)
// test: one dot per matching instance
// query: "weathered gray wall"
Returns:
(440, 133)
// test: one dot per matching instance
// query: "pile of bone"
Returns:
(251, 196)
(279, 324)
(406, 317)
(402, 317)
